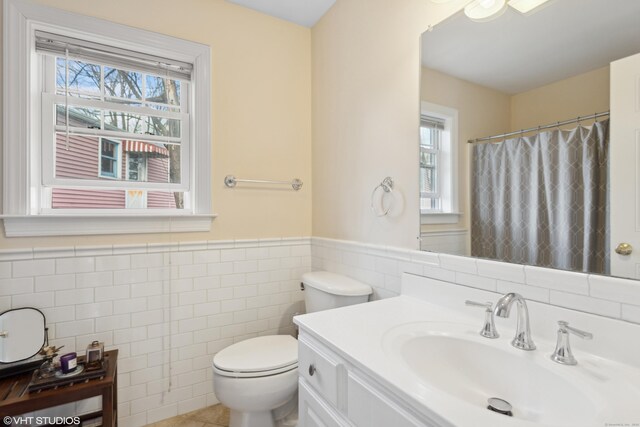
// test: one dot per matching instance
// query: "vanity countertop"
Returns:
(361, 334)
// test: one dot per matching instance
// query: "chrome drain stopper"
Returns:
(500, 406)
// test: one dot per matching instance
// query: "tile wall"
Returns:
(167, 309)
(383, 266)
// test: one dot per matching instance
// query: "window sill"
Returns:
(74, 225)
(440, 218)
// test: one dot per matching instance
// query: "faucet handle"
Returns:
(563, 354)
(489, 328)
(582, 334)
(487, 305)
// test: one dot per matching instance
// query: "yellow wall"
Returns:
(366, 83)
(481, 111)
(580, 95)
(261, 113)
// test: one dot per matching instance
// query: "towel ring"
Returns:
(387, 187)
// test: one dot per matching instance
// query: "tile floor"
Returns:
(211, 416)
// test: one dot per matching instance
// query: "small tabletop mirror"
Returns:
(22, 334)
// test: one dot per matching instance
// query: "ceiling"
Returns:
(515, 53)
(301, 12)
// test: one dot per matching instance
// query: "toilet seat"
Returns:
(258, 357)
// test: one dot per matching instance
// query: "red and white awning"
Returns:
(146, 147)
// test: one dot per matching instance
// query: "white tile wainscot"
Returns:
(167, 308)
(382, 267)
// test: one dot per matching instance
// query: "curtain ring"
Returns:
(387, 187)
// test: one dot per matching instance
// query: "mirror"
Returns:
(541, 182)
(22, 334)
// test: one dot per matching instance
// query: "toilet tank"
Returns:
(324, 290)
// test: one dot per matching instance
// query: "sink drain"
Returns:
(500, 406)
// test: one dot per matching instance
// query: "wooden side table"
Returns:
(16, 400)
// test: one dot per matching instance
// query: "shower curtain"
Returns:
(543, 200)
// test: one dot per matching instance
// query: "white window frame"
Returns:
(447, 179)
(22, 174)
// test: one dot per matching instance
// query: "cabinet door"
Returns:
(313, 412)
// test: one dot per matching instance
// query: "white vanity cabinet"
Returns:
(334, 393)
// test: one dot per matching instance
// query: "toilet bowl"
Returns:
(257, 379)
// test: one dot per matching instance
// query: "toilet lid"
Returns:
(260, 354)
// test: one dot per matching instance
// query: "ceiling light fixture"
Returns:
(526, 6)
(485, 10)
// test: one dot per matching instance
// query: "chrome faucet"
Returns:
(489, 328)
(562, 354)
(522, 339)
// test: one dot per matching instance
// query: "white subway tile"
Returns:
(206, 335)
(476, 281)
(99, 309)
(17, 286)
(458, 263)
(181, 285)
(127, 394)
(75, 328)
(233, 280)
(245, 266)
(126, 277)
(207, 282)
(192, 324)
(190, 271)
(229, 255)
(207, 308)
(392, 283)
(146, 289)
(37, 300)
(501, 270)
(114, 262)
(180, 258)
(5, 270)
(588, 304)
(386, 266)
(257, 253)
(159, 273)
(615, 289)
(181, 340)
(194, 297)
(37, 267)
(245, 291)
(92, 280)
(245, 316)
(219, 268)
(230, 331)
(5, 303)
(279, 251)
(109, 293)
(83, 341)
(439, 273)
(129, 305)
(268, 264)
(74, 296)
(206, 257)
(146, 346)
(232, 305)
(631, 313)
(54, 283)
(123, 336)
(75, 265)
(426, 257)
(147, 260)
(181, 313)
(146, 375)
(59, 314)
(558, 280)
(110, 323)
(146, 318)
(529, 292)
(192, 404)
(131, 364)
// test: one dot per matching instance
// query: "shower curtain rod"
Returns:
(539, 128)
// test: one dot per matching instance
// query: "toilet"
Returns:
(257, 379)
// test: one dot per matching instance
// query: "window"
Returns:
(438, 164)
(117, 121)
(109, 155)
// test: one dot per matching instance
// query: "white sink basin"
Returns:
(453, 358)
